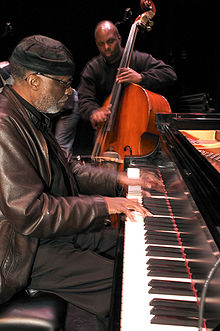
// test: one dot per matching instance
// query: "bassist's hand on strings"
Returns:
(100, 115)
(125, 206)
(128, 75)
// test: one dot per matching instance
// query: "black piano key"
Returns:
(160, 241)
(164, 201)
(155, 195)
(184, 304)
(160, 234)
(161, 269)
(200, 269)
(172, 320)
(174, 312)
(168, 291)
(163, 251)
(163, 207)
(168, 265)
(169, 283)
(171, 315)
(194, 266)
(187, 226)
(168, 271)
(171, 240)
(195, 252)
(162, 237)
(169, 234)
(207, 265)
(159, 226)
(179, 221)
(159, 219)
(160, 205)
(159, 211)
(164, 262)
(150, 225)
(165, 211)
(167, 287)
(186, 238)
(190, 222)
(164, 272)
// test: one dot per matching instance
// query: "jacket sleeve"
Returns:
(25, 199)
(156, 75)
(101, 180)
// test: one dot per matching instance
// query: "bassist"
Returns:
(100, 73)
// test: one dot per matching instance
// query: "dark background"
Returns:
(185, 34)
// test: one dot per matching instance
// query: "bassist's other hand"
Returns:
(100, 115)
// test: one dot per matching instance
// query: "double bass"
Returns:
(130, 129)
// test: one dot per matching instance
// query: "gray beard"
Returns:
(52, 110)
(42, 103)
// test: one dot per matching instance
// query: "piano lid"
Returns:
(190, 121)
(207, 142)
(179, 131)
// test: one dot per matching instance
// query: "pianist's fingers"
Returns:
(150, 180)
(125, 206)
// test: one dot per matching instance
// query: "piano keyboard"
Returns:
(160, 255)
(135, 311)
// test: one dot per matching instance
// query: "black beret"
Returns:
(45, 55)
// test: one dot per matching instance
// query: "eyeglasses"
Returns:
(63, 83)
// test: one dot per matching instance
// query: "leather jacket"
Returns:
(28, 211)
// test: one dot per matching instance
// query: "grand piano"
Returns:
(163, 261)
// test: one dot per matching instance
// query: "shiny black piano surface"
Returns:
(192, 185)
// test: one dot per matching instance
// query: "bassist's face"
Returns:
(108, 42)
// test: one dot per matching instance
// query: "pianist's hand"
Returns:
(148, 180)
(125, 206)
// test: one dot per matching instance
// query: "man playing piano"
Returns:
(53, 211)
